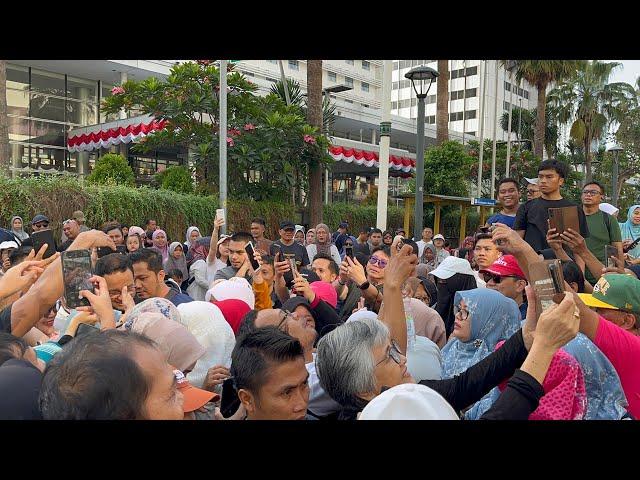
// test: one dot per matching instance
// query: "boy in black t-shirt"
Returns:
(532, 218)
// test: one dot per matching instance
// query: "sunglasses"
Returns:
(496, 278)
(380, 262)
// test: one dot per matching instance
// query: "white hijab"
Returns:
(206, 322)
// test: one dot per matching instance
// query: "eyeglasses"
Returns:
(496, 278)
(394, 353)
(464, 314)
(287, 315)
(382, 263)
(591, 192)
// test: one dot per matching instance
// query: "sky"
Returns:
(629, 71)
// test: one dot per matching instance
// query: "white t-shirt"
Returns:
(320, 403)
(203, 273)
(479, 280)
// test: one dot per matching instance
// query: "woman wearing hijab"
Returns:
(201, 270)
(429, 257)
(299, 235)
(630, 231)
(311, 236)
(234, 311)
(350, 241)
(159, 238)
(193, 234)
(323, 244)
(180, 347)
(17, 228)
(447, 288)
(176, 260)
(207, 323)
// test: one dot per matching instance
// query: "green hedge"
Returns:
(59, 197)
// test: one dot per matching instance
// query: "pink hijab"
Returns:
(428, 323)
(565, 396)
(180, 347)
(164, 251)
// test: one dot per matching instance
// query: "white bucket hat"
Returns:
(409, 401)
(452, 265)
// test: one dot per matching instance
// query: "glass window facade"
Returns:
(42, 108)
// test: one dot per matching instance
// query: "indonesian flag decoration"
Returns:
(402, 165)
(114, 136)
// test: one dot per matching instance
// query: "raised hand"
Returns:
(215, 376)
(400, 267)
(21, 277)
(100, 302)
(355, 271)
(506, 239)
(558, 324)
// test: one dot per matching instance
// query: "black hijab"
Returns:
(431, 290)
(447, 289)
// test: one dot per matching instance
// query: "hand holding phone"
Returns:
(220, 216)
(610, 251)
(76, 273)
(348, 250)
(40, 239)
(251, 253)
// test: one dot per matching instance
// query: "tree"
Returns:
(542, 73)
(447, 169)
(4, 119)
(442, 102)
(267, 140)
(314, 118)
(628, 136)
(176, 179)
(526, 131)
(591, 104)
(112, 169)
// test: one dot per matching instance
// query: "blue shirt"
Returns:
(523, 310)
(501, 218)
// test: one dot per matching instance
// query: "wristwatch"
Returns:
(365, 285)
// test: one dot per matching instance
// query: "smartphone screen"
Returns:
(220, 213)
(349, 251)
(104, 251)
(250, 252)
(76, 272)
(42, 237)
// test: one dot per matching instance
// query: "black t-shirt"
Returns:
(5, 319)
(532, 217)
(302, 259)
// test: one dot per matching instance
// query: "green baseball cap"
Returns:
(619, 291)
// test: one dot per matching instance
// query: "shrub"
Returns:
(112, 169)
(176, 178)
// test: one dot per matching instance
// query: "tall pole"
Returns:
(222, 137)
(483, 91)
(520, 125)
(495, 131)
(506, 173)
(385, 138)
(614, 180)
(417, 227)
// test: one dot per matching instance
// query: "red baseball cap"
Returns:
(505, 266)
(194, 398)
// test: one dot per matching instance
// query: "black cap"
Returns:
(287, 224)
(39, 218)
(344, 225)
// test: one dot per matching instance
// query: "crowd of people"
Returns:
(323, 325)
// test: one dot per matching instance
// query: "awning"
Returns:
(402, 166)
(129, 130)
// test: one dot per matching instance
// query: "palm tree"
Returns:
(314, 118)
(526, 130)
(442, 102)
(4, 120)
(592, 104)
(542, 73)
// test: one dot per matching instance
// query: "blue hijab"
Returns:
(630, 231)
(493, 317)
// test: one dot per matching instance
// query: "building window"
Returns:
(349, 62)
(348, 81)
(366, 65)
(506, 106)
(365, 105)
(471, 114)
(394, 105)
(507, 86)
(272, 61)
(364, 87)
(453, 74)
(348, 101)
(272, 80)
(293, 65)
(332, 76)
(431, 98)
(395, 85)
(431, 119)
(526, 94)
(473, 134)
(471, 71)
(396, 65)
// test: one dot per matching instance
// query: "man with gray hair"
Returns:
(71, 230)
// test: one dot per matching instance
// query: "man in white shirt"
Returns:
(427, 235)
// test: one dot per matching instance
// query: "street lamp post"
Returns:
(421, 79)
(616, 149)
(327, 91)
(510, 66)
